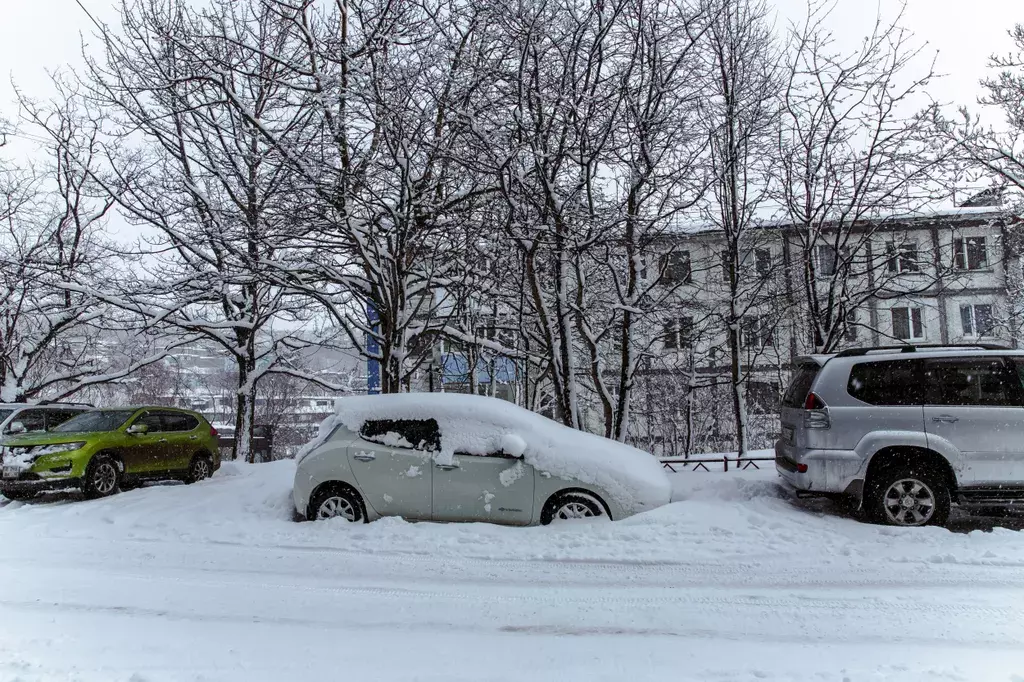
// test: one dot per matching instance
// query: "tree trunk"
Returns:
(245, 411)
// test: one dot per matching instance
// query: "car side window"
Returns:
(58, 417)
(179, 421)
(971, 381)
(498, 454)
(888, 382)
(413, 434)
(152, 421)
(33, 420)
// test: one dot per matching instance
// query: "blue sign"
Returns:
(372, 350)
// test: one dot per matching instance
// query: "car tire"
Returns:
(19, 496)
(102, 477)
(329, 501)
(570, 506)
(199, 468)
(907, 495)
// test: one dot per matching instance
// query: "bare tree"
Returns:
(55, 336)
(656, 158)
(997, 150)
(205, 178)
(387, 86)
(741, 110)
(852, 152)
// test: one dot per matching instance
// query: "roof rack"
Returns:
(63, 402)
(912, 348)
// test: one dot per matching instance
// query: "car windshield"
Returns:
(100, 420)
(4, 414)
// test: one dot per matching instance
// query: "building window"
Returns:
(850, 331)
(763, 397)
(907, 324)
(977, 319)
(677, 333)
(676, 267)
(756, 332)
(902, 257)
(726, 265)
(763, 262)
(826, 257)
(969, 253)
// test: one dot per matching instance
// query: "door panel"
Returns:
(144, 453)
(974, 404)
(494, 489)
(182, 431)
(394, 481)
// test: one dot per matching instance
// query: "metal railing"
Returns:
(699, 462)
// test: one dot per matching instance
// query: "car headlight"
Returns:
(42, 450)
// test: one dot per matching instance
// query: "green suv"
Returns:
(103, 450)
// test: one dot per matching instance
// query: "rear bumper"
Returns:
(38, 485)
(828, 471)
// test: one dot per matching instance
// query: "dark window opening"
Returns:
(418, 434)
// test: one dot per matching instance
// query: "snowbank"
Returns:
(731, 581)
(479, 425)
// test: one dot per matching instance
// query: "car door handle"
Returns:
(364, 457)
(162, 440)
(447, 467)
(193, 437)
(948, 418)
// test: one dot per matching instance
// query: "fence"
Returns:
(700, 462)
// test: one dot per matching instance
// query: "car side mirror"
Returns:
(16, 427)
(138, 429)
(513, 445)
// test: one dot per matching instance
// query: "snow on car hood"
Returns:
(479, 425)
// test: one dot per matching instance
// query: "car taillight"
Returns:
(813, 402)
(816, 415)
(213, 431)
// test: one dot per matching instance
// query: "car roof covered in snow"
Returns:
(480, 425)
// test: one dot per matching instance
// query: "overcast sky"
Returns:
(36, 35)
(41, 35)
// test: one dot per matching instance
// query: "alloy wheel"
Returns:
(574, 510)
(104, 478)
(336, 505)
(909, 502)
(201, 469)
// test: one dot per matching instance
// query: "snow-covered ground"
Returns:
(732, 581)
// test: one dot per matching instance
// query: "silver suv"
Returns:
(903, 432)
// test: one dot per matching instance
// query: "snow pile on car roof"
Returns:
(480, 425)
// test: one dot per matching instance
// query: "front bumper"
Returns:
(25, 484)
(828, 471)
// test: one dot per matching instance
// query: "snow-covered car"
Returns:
(445, 457)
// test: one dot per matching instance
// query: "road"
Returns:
(214, 582)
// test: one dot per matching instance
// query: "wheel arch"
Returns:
(112, 454)
(337, 485)
(572, 490)
(902, 454)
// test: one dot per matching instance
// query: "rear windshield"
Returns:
(890, 382)
(800, 384)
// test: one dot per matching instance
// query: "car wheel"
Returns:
(570, 506)
(330, 502)
(198, 469)
(911, 495)
(19, 496)
(101, 477)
